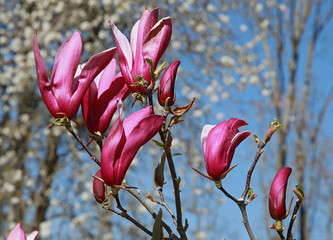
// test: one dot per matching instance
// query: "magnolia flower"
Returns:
(277, 194)
(18, 234)
(219, 143)
(166, 88)
(99, 187)
(124, 141)
(149, 39)
(63, 95)
(100, 101)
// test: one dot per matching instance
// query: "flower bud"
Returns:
(99, 188)
(166, 88)
(277, 194)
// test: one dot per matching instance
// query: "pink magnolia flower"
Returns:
(149, 39)
(18, 234)
(124, 141)
(277, 194)
(100, 101)
(219, 143)
(166, 89)
(99, 188)
(63, 95)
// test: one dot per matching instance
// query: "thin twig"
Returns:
(165, 205)
(260, 150)
(125, 215)
(242, 206)
(151, 211)
(71, 131)
(163, 134)
(293, 218)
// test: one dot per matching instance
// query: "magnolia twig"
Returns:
(165, 205)
(242, 206)
(163, 133)
(125, 215)
(293, 218)
(151, 211)
(260, 150)
(71, 131)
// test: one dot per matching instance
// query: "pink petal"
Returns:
(117, 91)
(123, 47)
(43, 82)
(157, 40)
(17, 233)
(134, 37)
(131, 121)
(144, 130)
(66, 63)
(235, 123)
(107, 77)
(237, 139)
(89, 72)
(147, 22)
(112, 149)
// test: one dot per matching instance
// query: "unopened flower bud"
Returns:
(99, 187)
(166, 89)
(277, 194)
(273, 127)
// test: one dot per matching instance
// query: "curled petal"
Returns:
(157, 40)
(43, 82)
(89, 72)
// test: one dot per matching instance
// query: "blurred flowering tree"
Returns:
(265, 58)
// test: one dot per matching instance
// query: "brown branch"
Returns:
(123, 213)
(135, 194)
(79, 140)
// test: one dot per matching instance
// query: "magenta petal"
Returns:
(67, 61)
(43, 82)
(112, 149)
(144, 130)
(89, 72)
(118, 91)
(235, 123)
(277, 194)
(157, 40)
(237, 139)
(147, 22)
(106, 105)
(134, 37)
(123, 47)
(107, 77)
(132, 121)
(17, 233)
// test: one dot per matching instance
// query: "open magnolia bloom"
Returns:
(219, 143)
(149, 39)
(277, 194)
(63, 95)
(124, 141)
(18, 234)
